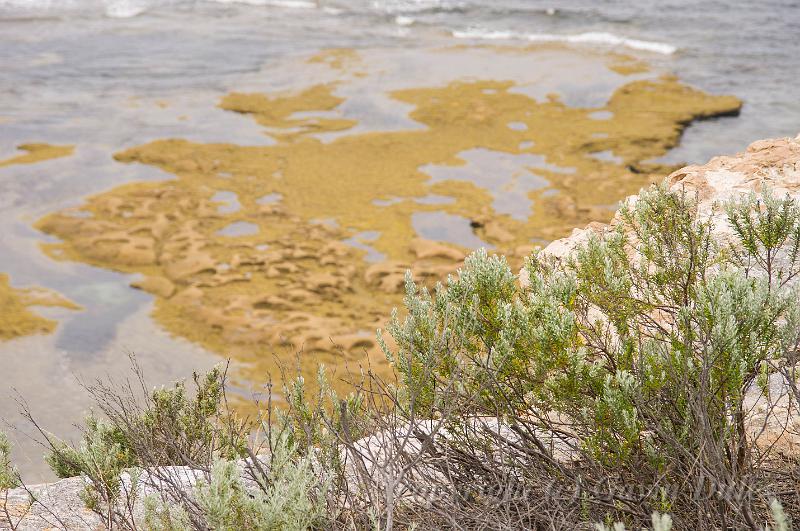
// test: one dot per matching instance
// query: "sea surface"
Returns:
(105, 75)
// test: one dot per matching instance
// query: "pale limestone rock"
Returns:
(772, 163)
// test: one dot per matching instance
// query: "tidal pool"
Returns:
(509, 176)
(317, 283)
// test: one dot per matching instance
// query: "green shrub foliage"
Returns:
(9, 478)
(102, 455)
(172, 429)
(642, 343)
(162, 516)
(293, 498)
(165, 427)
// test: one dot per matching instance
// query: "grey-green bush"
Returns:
(293, 498)
(9, 478)
(162, 516)
(641, 347)
(163, 427)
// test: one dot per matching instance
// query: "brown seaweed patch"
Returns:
(627, 64)
(37, 152)
(278, 111)
(337, 58)
(296, 284)
(16, 318)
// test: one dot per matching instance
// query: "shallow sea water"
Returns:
(106, 75)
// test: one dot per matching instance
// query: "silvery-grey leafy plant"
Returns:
(640, 347)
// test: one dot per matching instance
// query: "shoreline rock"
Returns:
(772, 163)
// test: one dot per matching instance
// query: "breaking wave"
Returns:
(601, 38)
(122, 8)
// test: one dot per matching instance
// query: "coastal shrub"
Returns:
(281, 485)
(168, 428)
(162, 516)
(633, 356)
(101, 456)
(289, 497)
(9, 477)
(163, 427)
(782, 522)
(103, 452)
(174, 428)
(319, 420)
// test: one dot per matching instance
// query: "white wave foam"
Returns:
(608, 39)
(415, 6)
(27, 4)
(111, 8)
(292, 4)
(125, 8)
(400, 20)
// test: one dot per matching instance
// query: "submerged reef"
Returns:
(256, 251)
(16, 318)
(37, 153)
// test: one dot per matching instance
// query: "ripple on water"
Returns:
(269, 199)
(239, 228)
(359, 241)
(229, 200)
(503, 174)
(448, 228)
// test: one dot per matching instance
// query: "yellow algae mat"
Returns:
(263, 251)
(38, 152)
(16, 317)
